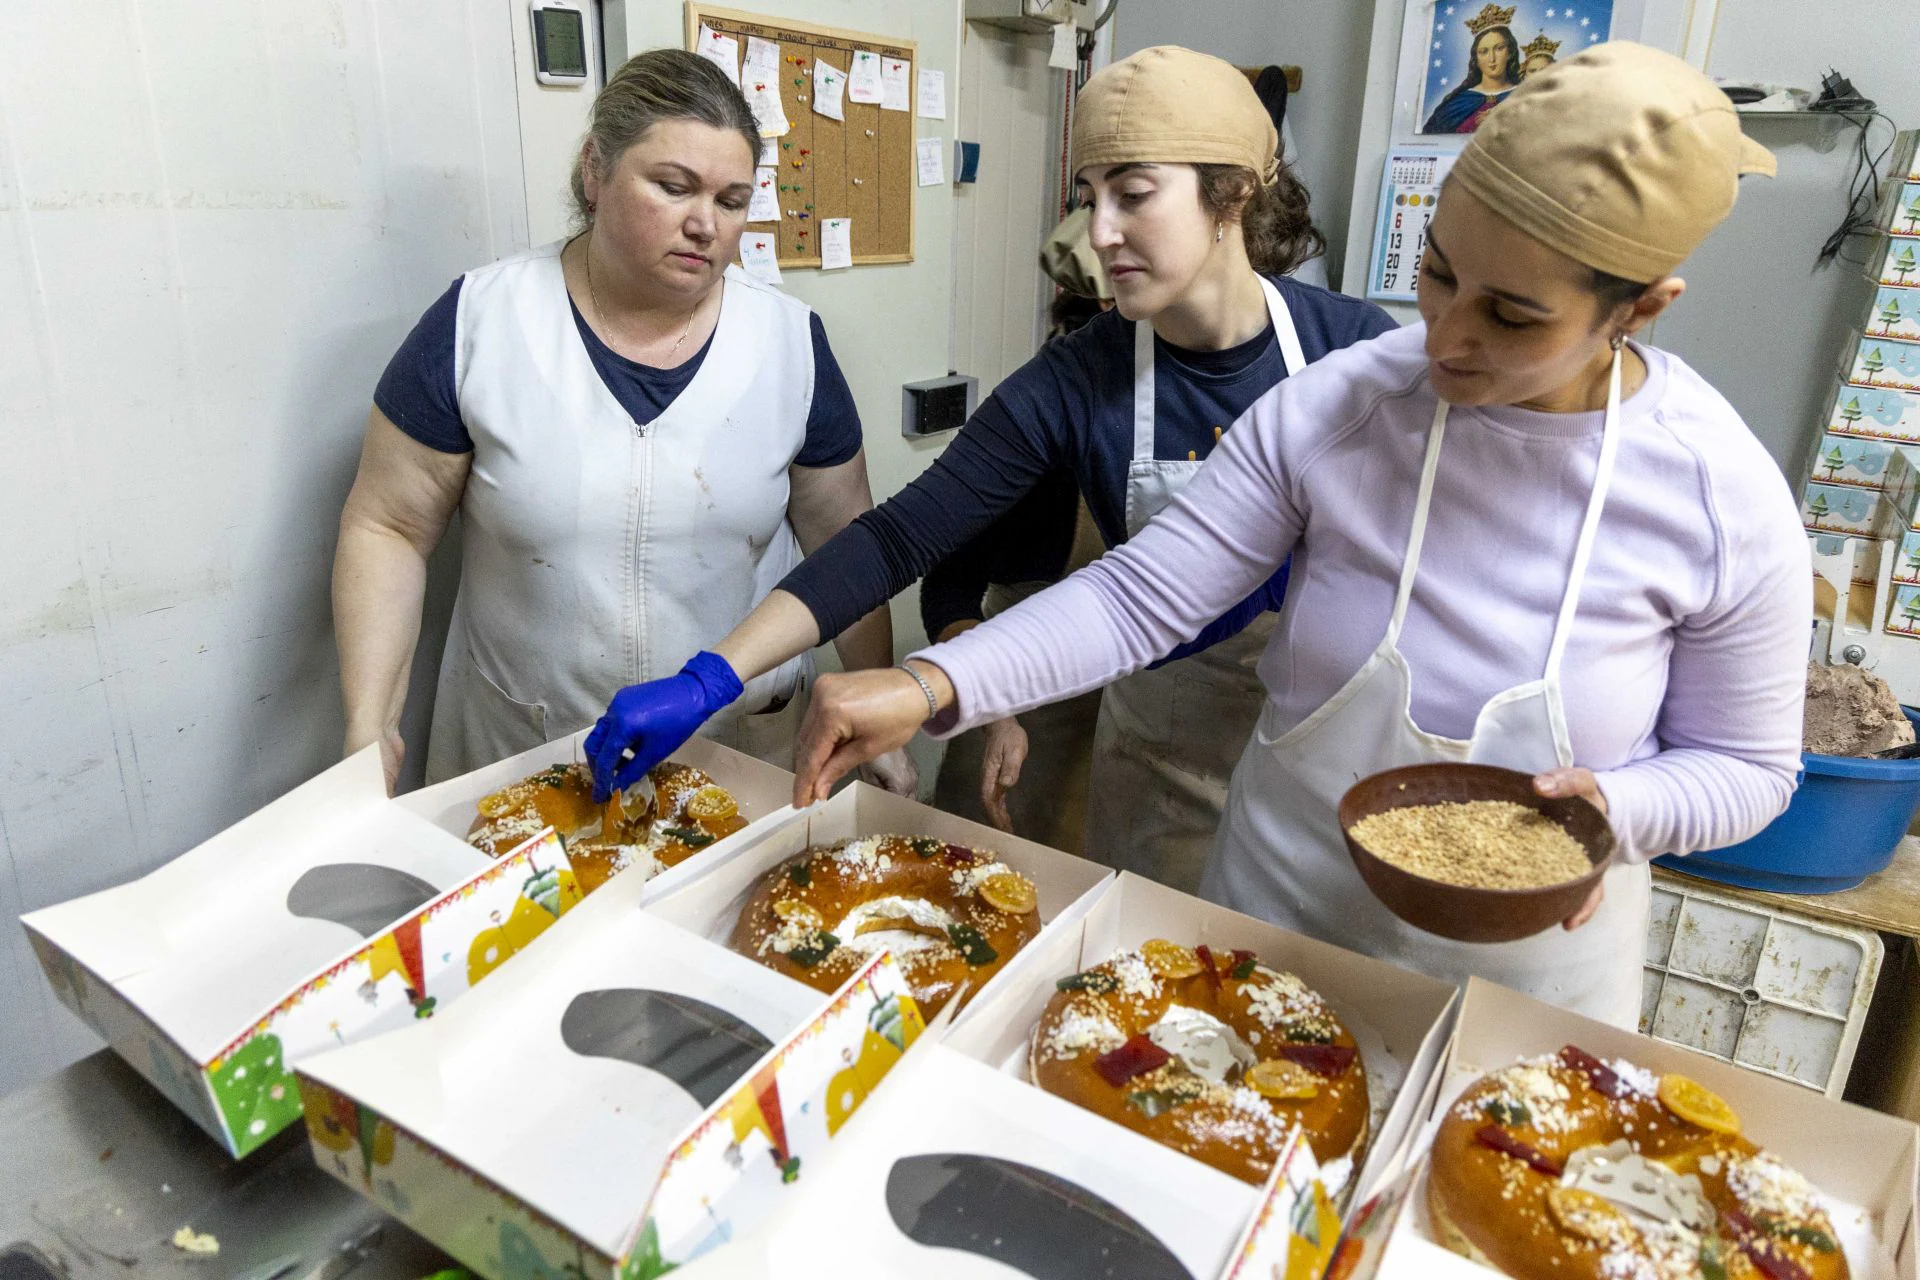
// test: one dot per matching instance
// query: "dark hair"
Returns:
(660, 84)
(1613, 291)
(1069, 311)
(1275, 220)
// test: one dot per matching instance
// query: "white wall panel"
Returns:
(210, 243)
(1010, 103)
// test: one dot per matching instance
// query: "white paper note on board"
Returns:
(836, 243)
(769, 151)
(863, 83)
(722, 51)
(765, 205)
(895, 75)
(760, 255)
(829, 86)
(933, 95)
(763, 57)
(763, 95)
(931, 154)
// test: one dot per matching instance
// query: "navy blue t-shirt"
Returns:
(417, 390)
(1071, 407)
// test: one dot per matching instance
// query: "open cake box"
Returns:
(330, 915)
(633, 1092)
(959, 1160)
(1862, 1163)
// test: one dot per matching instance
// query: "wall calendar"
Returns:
(1409, 190)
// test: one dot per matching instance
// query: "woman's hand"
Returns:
(1557, 784)
(1000, 764)
(856, 717)
(894, 771)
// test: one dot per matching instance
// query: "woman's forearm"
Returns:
(779, 628)
(868, 642)
(379, 585)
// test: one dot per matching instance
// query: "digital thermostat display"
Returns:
(559, 44)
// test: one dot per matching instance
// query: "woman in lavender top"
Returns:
(1518, 537)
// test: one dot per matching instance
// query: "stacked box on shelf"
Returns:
(1878, 401)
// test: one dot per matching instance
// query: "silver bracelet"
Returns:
(933, 703)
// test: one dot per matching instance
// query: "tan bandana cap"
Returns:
(1175, 106)
(1622, 157)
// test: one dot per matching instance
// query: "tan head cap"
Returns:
(1069, 260)
(1622, 157)
(1176, 106)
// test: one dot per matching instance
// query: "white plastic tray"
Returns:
(1765, 988)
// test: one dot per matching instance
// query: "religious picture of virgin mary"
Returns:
(1474, 59)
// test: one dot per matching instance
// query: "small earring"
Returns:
(591, 206)
(1619, 341)
(1219, 232)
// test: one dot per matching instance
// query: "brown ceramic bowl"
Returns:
(1455, 911)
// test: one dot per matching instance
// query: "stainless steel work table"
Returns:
(100, 1171)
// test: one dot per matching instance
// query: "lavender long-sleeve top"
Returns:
(1685, 669)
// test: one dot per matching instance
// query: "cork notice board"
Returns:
(860, 168)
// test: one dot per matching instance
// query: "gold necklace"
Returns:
(601, 315)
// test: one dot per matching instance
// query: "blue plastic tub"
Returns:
(1842, 825)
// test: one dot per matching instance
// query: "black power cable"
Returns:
(1839, 97)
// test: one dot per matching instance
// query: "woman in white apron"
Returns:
(1203, 224)
(640, 438)
(1517, 538)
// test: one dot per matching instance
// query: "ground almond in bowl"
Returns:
(1481, 844)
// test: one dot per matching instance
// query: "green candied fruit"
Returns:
(974, 948)
(1092, 980)
(820, 944)
(1153, 1102)
(800, 874)
(1504, 1111)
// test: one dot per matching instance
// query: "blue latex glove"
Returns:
(645, 722)
(1268, 595)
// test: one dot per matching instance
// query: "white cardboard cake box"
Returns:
(959, 1166)
(529, 1130)
(212, 981)
(1864, 1163)
(270, 940)
(481, 1203)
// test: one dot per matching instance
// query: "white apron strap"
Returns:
(1417, 536)
(1589, 528)
(1142, 391)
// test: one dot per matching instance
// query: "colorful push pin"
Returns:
(796, 164)
(805, 152)
(786, 146)
(859, 182)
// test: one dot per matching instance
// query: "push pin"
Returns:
(858, 182)
(869, 133)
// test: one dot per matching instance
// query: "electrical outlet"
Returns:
(936, 405)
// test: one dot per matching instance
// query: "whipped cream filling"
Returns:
(1206, 1046)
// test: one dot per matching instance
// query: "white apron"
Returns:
(1166, 740)
(596, 552)
(1281, 855)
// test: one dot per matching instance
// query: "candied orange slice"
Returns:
(1697, 1104)
(1278, 1078)
(1584, 1214)
(499, 802)
(793, 912)
(711, 805)
(1010, 892)
(1170, 959)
